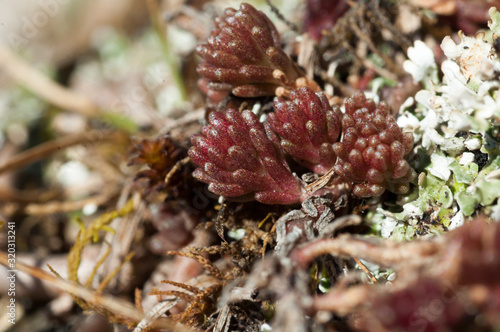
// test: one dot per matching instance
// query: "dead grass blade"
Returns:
(44, 87)
(107, 302)
(117, 306)
(44, 150)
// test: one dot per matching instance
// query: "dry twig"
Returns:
(44, 150)
(110, 303)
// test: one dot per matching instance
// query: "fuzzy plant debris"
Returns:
(435, 289)
(160, 155)
(456, 126)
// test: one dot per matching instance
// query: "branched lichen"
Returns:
(85, 237)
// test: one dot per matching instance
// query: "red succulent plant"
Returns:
(322, 15)
(372, 151)
(238, 157)
(243, 55)
(308, 126)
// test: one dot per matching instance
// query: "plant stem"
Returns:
(161, 30)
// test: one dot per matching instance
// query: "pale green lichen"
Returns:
(464, 173)
(456, 126)
(482, 191)
(433, 191)
(494, 23)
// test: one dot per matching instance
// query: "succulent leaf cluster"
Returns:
(373, 148)
(243, 55)
(238, 157)
(308, 126)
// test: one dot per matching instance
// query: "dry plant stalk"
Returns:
(109, 303)
(85, 237)
(44, 87)
(45, 150)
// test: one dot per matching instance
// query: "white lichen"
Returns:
(421, 64)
